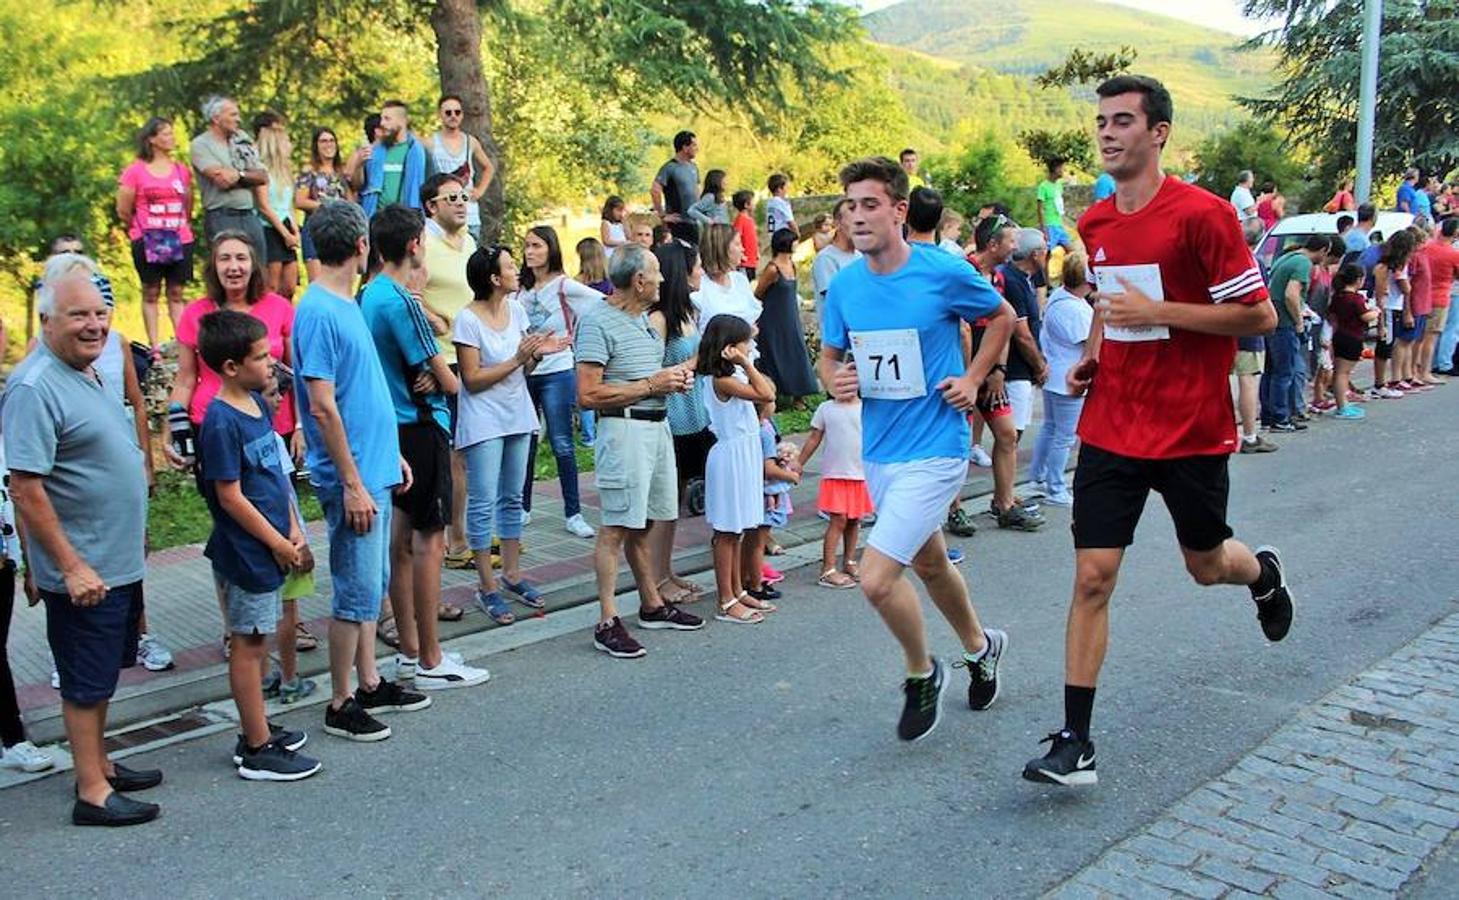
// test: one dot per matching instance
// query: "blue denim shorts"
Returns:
(249, 612)
(92, 644)
(359, 564)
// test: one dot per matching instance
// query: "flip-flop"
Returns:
(449, 612)
(753, 617)
(304, 639)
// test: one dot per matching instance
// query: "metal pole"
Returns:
(1368, 96)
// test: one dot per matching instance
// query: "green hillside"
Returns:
(996, 56)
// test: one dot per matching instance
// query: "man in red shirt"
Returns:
(1443, 259)
(1176, 285)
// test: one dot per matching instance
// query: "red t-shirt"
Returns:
(745, 226)
(1443, 259)
(1169, 398)
(1346, 311)
(1421, 283)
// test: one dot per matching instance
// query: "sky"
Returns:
(1221, 14)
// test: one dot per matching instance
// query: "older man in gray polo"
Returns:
(75, 477)
(229, 173)
(621, 375)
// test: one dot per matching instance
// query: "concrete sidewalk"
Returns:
(183, 612)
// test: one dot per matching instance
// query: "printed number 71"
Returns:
(892, 361)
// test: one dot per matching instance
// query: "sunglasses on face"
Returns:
(453, 198)
(451, 112)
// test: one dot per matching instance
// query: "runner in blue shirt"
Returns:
(891, 334)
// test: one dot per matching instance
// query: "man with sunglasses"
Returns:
(461, 155)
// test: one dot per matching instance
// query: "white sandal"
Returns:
(753, 617)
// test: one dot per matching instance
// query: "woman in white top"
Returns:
(495, 422)
(554, 304)
(611, 230)
(1067, 319)
(724, 288)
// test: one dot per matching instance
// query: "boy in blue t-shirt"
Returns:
(256, 536)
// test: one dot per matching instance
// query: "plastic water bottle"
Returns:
(181, 429)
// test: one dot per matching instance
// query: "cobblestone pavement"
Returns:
(1347, 800)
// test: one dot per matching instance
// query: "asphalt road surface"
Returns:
(763, 761)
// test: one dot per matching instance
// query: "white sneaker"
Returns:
(579, 526)
(1064, 499)
(55, 680)
(25, 757)
(979, 457)
(449, 674)
(153, 655)
(526, 517)
(1388, 393)
(1037, 489)
(405, 667)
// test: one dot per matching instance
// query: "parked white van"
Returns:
(1294, 231)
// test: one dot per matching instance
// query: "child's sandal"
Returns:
(752, 617)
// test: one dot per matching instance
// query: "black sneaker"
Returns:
(613, 639)
(923, 706)
(960, 524)
(352, 723)
(983, 674)
(275, 762)
(388, 696)
(1070, 762)
(669, 616)
(278, 734)
(1287, 427)
(765, 594)
(1274, 608)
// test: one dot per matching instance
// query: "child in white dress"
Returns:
(734, 476)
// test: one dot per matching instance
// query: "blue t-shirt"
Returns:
(1354, 240)
(1423, 205)
(768, 440)
(1406, 198)
(1104, 186)
(1368, 260)
(405, 342)
(928, 297)
(332, 343)
(236, 446)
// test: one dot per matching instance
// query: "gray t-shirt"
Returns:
(626, 346)
(66, 427)
(829, 261)
(238, 153)
(681, 185)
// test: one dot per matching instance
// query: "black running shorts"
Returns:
(428, 502)
(1110, 491)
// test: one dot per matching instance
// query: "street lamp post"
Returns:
(1368, 96)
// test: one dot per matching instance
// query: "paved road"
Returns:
(760, 761)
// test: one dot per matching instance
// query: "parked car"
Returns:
(1294, 231)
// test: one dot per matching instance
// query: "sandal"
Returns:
(493, 605)
(683, 595)
(388, 632)
(449, 612)
(463, 560)
(774, 550)
(526, 593)
(765, 606)
(836, 580)
(852, 568)
(304, 639)
(227, 646)
(752, 617)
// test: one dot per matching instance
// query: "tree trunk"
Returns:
(457, 25)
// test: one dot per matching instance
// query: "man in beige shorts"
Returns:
(621, 375)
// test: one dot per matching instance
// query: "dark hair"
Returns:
(1315, 242)
(482, 266)
(776, 182)
(988, 230)
(1398, 248)
(444, 97)
(924, 210)
(1336, 247)
(675, 261)
(392, 229)
(1367, 212)
(906, 152)
(548, 236)
(742, 200)
(336, 227)
(432, 186)
(1449, 227)
(1054, 162)
(67, 237)
(836, 210)
(266, 119)
(1155, 100)
(1347, 276)
(714, 184)
(372, 124)
(148, 132)
(226, 335)
(213, 285)
(1268, 187)
(661, 234)
(682, 140)
(398, 104)
(722, 331)
(783, 241)
(877, 168)
(611, 204)
(314, 146)
(1344, 222)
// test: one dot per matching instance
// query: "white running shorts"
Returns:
(911, 500)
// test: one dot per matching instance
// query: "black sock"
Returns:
(1078, 708)
(1267, 581)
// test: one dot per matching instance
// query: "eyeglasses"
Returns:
(452, 112)
(453, 198)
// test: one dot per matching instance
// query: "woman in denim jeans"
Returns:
(495, 422)
(1066, 327)
(554, 303)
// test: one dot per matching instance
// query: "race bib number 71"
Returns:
(889, 364)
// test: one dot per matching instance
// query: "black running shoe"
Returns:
(924, 703)
(669, 616)
(765, 594)
(389, 696)
(1070, 762)
(613, 639)
(278, 734)
(352, 723)
(275, 762)
(983, 674)
(1274, 608)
